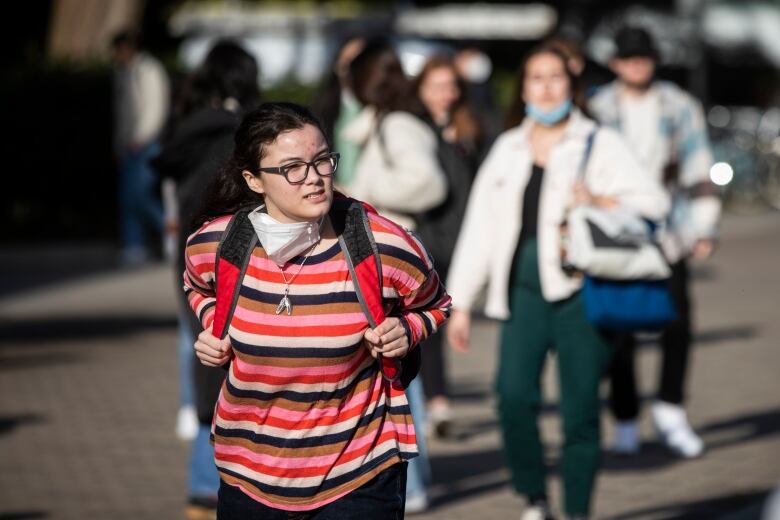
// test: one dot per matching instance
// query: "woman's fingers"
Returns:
(211, 350)
(211, 360)
(388, 331)
(207, 338)
(397, 348)
(394, 334)
(389, 338)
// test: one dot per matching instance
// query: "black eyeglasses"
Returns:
(297, 172)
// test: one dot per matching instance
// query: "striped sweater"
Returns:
(304, 416)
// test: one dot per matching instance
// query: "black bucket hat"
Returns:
(634, 42)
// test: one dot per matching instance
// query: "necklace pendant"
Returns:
(284, 304)
(280, 307)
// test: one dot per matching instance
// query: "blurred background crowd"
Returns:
(57, 68)
(119, 111)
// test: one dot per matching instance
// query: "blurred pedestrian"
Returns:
(207, 113)
(511, 239)
(591, 74)
(666, 130)
(141, 103)
(337, 107)
(459, 142)
(399, 173)
(475, 68)
(305, 422)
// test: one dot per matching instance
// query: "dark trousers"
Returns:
(675, 344)
(381, 498)
(433, 369)
(535, 328)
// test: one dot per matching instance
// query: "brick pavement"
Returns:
(88, 396)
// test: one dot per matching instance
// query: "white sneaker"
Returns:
(439, 421)
(536, 513)
(417, 503)
(187, 423)
(626, 440)
(675, 432)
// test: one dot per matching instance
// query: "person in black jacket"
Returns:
(460, 139)
(198, 143)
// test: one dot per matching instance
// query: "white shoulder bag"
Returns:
(615, 244)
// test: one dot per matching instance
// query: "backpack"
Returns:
(350, 220)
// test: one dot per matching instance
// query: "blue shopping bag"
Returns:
(635, 305)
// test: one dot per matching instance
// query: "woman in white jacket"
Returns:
(398, 171)
(510, 240)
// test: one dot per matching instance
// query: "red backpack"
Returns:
(350, 220)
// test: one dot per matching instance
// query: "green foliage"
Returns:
(290, 91)
(503, 84)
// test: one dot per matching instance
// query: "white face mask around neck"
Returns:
(283, 241)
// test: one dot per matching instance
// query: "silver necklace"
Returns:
(285, 304)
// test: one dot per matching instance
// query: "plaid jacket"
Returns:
(695, 199)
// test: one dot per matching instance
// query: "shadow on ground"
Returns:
(9, 423)
(25, 268)
(44, 330)
(742, 506)
(711, 336)
(463, 475)
(716, 435)
(460, 476)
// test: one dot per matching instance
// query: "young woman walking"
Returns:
(510, 240)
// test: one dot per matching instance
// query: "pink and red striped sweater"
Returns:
(304, 416)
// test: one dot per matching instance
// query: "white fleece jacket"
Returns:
(399, 174)
(490, 231)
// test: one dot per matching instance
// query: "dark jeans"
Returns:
(675, 344)
(140, 210)
(381, 498)
(434, 369)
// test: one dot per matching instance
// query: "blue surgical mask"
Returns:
(549, 117)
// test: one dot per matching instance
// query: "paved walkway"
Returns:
(88, 394)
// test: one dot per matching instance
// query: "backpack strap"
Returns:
(233, 254)
(586, 154)
(350, 221)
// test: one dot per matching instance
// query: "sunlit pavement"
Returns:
(88, 395)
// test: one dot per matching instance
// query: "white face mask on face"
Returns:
(283, 241)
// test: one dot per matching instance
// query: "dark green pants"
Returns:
(535, 327)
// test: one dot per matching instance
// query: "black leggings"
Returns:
(675, 344)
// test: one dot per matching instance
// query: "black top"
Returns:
(531, 203)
